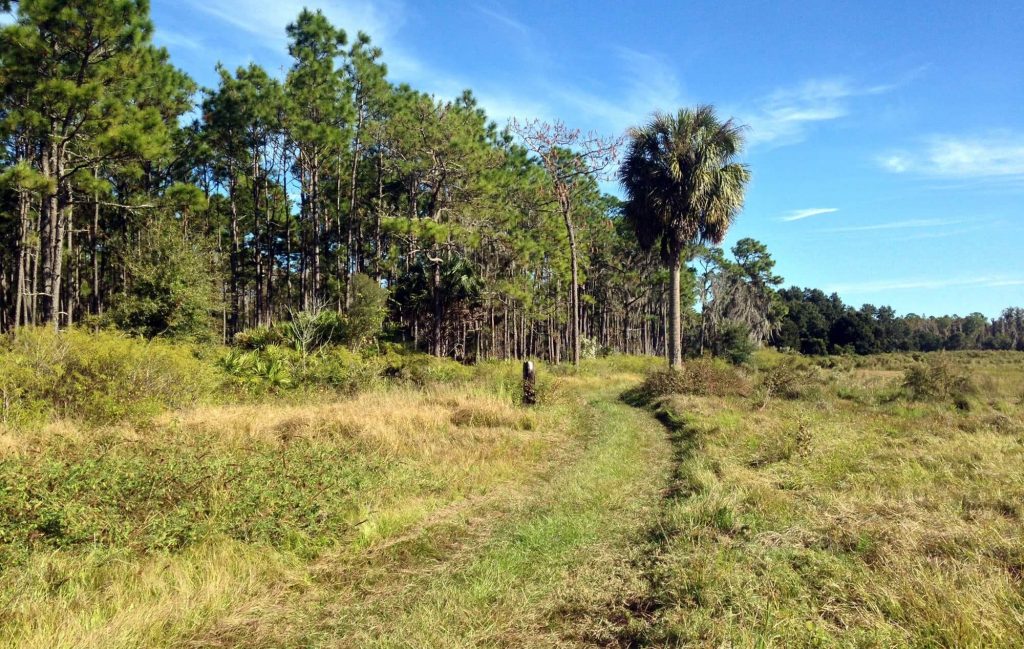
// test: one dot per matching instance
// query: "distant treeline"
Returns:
(816, 323)
(740, 305)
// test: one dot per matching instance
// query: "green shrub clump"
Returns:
(701, 377)
(96, 378)
(939, 379)
(421, 369)
(789, 378)
(274, 368)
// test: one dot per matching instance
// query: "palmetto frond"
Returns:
(681, 180)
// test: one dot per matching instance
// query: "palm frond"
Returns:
(682, 183)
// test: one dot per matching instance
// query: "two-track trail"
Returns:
(549, 561)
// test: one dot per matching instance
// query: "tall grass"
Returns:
(875, 511)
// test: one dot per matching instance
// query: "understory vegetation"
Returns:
(159, 494)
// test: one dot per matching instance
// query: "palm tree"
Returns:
(683, 187)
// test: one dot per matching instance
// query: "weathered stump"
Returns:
(529, 384)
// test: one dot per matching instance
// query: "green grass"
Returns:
(804, 502)
(826, 521)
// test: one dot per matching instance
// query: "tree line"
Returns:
(816, 323)
(281, 194)
(741, 304)
(131, 197)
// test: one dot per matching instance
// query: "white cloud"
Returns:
(268, 19)
(898, 225)
(502, 106)
(646, 84)
(994, 156)
(786, 115)
(519, 28)
(797, 215)
(985, 281)
(170, 38)
(895, 163)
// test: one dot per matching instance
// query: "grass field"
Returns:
(801, 503)
(845, 515)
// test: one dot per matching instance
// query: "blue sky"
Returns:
(886, 140)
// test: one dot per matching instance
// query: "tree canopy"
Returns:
(131, 198)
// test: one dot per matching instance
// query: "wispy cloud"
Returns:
(786, 115)
(898, 225)
(797, 215)
(994, 156)
(939, 233)
(511, 23)
(648, 83)
(984, 281)
(382, 20)
(267, 20)
(170, 38)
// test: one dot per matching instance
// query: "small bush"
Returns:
(339, 369)
(259, 338)
(588, 347)
(98, 378)
(733, 343)
(171, 292)
(274, 369)
(702, 377)
(365, 318)
(267, 369)
(308, 331)
(422, 369)
(787, 379)
(939, 379)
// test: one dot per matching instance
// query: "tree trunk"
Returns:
(95, 237)
(235, 253)
(21, 306)
(574, 290)
(352, 255)
(257, 238)
(675, 342)
(438, 310)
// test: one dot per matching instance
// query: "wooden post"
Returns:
(529, 384)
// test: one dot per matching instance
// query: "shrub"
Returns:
(274, 369)
(588, 347)
(938, 379)
(171, 292)
(422, 370)
(308, 331)
(269, 368)
(733, 343)
(788, 379)
(98, 378)
(701, 377)
(365, 318)
(259, 338)
(339, 369)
